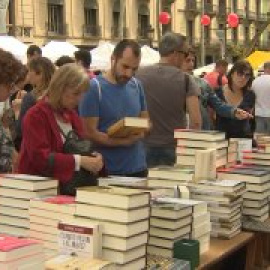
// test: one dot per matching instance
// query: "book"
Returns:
(170, 224)
(49, 214)
(73, 262)
(123, 244)
(169, 210)
(172, 173)
(14, 221)
(122, 181)
(13, 202)
(27, 182)
(226, 186)
(256, 211)
(198, 207)
(192, 134)
(30, 262)
(81, 238)
(41, 236)
(163, 242)
(202, 229)
(113, 197)
(119, 229)
(205, 164)
(190, 151)
(14, 212)
(12, 248)
(244, 174)
(254, 203)
(60, 203)
(123, 257)
(25, 194)
(248, 160)
(253, 195)
(156, 250)
(13, 230)
(170, 234)
(128, 126)
(202, 144)
(113, 214)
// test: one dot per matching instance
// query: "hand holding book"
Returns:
(242, 115)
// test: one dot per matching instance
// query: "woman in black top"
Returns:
(238, 93)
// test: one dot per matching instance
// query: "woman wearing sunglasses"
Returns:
(238, 93)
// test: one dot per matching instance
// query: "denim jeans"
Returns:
(262, 124)
(158, 156)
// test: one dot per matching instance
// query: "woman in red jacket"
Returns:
(43, 123)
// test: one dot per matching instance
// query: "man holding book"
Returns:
(169, 94)
(112, 97)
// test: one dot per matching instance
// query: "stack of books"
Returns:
(45, 214)
(256, 157)
(169, 222)
(263, 142)
(169, 176)
(16, 190)
(20, 253)
(256, 197)
(224, 199)
(124, 216)
(200, 225)
(232, 152)
(189, 141)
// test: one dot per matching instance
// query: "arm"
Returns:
(193, 109)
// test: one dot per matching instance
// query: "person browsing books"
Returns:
(47, 121)
(209, 98)
(112, 97)
(169, 94)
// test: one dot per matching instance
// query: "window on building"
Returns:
(222, 7)
(190, 32)
(235, 35)
(247, 36)
(234, 6)
(207, 34)
(91, 17)
(143, 20)
(116, 19)
(56, 17)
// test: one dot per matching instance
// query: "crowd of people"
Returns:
(48, 100)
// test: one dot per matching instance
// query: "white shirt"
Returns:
(261, 87)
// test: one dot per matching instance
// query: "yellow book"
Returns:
(128, 126)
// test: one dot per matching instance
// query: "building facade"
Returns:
(86, 22)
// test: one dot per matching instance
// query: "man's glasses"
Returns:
(247, 75)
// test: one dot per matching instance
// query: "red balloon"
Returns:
(205, 20)
(233, 20)
(164, 17)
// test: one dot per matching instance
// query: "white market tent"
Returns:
(55, 49)
(14, 46)
(101, 56)
(149, 56)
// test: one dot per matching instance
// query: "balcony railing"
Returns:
(117, 32)
(91, 30)
(193, 6)
(20, 31)
(251, 15)
(143, 33)
(210, 8)
(60, 29)
(241, 13)
(263, 16)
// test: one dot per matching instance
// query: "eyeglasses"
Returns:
(247, 75)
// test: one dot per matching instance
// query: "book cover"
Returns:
(80, 238)
(192, 134)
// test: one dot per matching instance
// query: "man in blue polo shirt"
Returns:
(111, 97)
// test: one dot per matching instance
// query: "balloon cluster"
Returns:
(232, 20)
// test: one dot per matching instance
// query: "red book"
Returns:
(12, 248)
(60, 199)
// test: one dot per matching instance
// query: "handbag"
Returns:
(75, 145)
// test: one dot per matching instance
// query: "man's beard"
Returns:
(119, 78)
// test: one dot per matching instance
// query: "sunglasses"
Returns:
(247, 75)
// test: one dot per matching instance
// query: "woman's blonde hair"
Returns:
(67, 76)
(46, 68)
